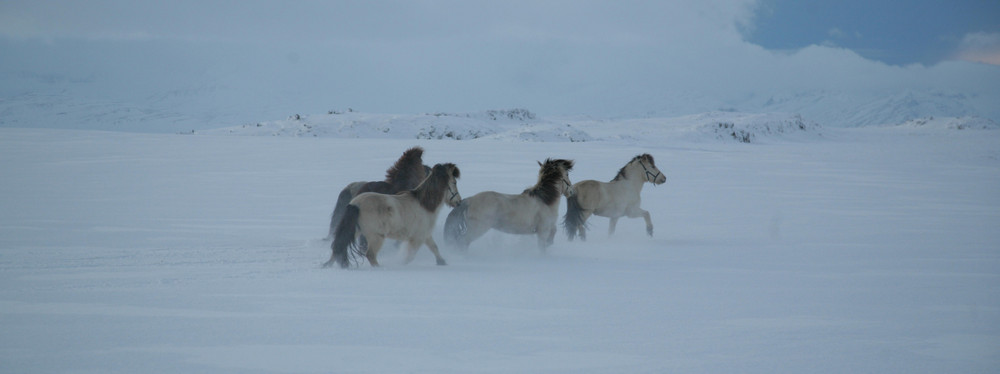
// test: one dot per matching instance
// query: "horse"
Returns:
(407, 216)
(533, 211)
(405, 174)
(614, 199)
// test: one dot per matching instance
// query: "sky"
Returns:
(893, 32)
(565, 57)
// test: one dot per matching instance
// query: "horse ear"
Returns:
(539, 163)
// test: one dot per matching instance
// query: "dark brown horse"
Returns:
(404, 175)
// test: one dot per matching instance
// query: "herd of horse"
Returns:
(405, 206)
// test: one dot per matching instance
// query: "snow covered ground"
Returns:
(835, 250)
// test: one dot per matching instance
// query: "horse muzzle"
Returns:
(569, 190)
(454, 198)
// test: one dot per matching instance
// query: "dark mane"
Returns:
(408, 171)
(431, 191)
(549, 177)
(377, 187)
(643, 157)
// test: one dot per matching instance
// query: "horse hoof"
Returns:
(649, 231)
(441, 262)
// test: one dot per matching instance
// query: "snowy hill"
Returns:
(517, 124)
(838, 109)
(726, 127)
(523, 125)
(951, 123)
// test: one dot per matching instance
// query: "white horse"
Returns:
(614, 199)
(534, 211)
(408, 216)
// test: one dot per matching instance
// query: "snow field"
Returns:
(870, 250)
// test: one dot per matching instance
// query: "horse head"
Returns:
(566, 166)
(452, 197)
(651, 173)
(564, 186)
(439, 187)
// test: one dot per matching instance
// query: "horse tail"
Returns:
(344, 237)
(573, 219)
(455, 226)
(338, 210)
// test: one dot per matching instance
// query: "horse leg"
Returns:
(434, 248)
(546, 238)
(649, 223)
(612, 225)
(411, 250)
(582, 230)
(374, 245)
(362, 244)
(474, 230)
(639, 212)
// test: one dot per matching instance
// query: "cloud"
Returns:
(980, 47)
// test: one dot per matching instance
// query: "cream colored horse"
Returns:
(405, 174)
(534, 211)
(615, 199)
(408, 216)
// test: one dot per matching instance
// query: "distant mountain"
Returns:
(91, 102)
(84, 102)
(838, 109)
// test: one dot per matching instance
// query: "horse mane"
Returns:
(643, 157)
(549, 178)
(408, 171)
(387, 188)
(378, 187)
(429, 192)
